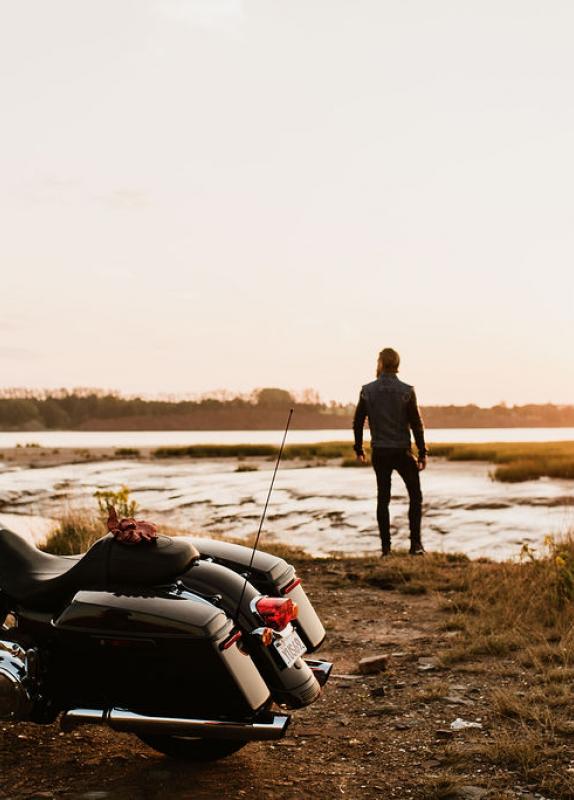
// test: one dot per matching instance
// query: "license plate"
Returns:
(290, 648)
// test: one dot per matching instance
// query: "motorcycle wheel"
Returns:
(192, 749)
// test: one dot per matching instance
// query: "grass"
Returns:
(515, 461)
(324, 450)
(517, 620)
(127, 452)
(76, 532)
(512, 624)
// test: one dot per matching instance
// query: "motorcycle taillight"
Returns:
(277, 612)
(291, 585)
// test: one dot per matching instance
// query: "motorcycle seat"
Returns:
(38, 580)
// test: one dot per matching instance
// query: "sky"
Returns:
(229, 194)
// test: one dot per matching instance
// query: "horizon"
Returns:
(242, 193)
(305, 396)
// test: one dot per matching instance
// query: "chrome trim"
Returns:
(80, 716)
(253, 606)
(273, 726)
(286, 631)
(320, 669)
(13, 649)
(16, 686)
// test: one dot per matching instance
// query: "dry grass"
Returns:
(443, 787)
(77, 531)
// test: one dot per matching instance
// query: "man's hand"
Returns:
(421, 462)
(361, 458)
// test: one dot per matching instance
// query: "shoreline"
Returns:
(513, 461)
(318, 506)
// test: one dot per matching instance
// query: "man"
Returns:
(391, 408)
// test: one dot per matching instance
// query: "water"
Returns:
(93, 439)
(320, 509)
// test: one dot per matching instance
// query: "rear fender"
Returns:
(270, 575)
(294, 686)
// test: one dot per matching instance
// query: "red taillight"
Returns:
(292, 585)
(235, 637)
(277, 612)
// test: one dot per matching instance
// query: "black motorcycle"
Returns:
(196, 646)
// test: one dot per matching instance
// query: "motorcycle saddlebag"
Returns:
(155, 654)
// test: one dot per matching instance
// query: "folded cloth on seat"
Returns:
(129, 530)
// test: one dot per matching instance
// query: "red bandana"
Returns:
(131, 531)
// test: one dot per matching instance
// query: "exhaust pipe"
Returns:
(320, 669)
(272, 726)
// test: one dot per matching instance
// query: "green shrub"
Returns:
(120, 500)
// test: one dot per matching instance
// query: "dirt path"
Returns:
(381, 736)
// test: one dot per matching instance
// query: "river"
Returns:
(87, 439)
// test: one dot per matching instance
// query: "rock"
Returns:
(463, 724)
(426, 664)
(404, 725)
(346, 677)
(380, 711)
(371, 665)
(471, 793)
(378, 691)
(456, 700)
(41, 796)
(443, 733)
(94, 795)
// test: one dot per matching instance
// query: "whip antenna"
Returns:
(279, 454)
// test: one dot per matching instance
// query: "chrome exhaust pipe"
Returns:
(320, 669)
(272, 726)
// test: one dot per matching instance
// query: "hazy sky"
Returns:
(198, 194)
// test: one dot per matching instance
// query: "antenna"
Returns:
(279, 454)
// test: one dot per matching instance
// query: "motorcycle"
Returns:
(197, 646)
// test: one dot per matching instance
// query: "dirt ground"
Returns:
(382, 736)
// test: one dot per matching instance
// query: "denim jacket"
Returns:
(391, 407)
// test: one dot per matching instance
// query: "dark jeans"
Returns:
(385, 460)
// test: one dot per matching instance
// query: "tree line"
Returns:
(263, 408)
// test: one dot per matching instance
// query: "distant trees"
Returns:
(92, 409)
(274, 398)
(15, 412)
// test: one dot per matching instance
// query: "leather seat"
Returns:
(39, 580)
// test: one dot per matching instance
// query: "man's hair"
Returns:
(389, 359)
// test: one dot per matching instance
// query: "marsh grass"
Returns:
(515, 461)
(323, 450)
(127, 452)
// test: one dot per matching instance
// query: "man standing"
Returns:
(391, 408)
